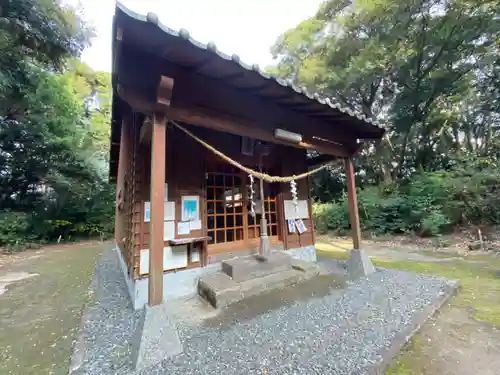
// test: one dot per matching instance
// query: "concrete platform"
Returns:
(252, 277)
(251, 267)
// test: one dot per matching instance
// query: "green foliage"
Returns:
(429, 204)
(53, 159)
(427, 69)
(13, 229)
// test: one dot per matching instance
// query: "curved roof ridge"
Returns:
(152, 18)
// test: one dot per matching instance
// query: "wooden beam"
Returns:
(163, 95)
(206, 118)
(164, 91)
(353, 203)
(158, 148)
(229, 124)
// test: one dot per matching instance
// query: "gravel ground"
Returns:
(109, 322)
(344, 332)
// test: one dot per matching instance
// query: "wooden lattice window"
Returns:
(228, 202)
(225, 205)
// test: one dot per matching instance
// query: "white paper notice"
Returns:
(168, 230)
(174, 257)
(147, 211)
(195, 255)
(300, 226)
(299, 212)
(169, 211)
(144, 262)
(195, 225)
(183, 228)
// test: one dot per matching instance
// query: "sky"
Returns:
(244, 27)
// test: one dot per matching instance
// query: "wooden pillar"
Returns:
(158, 148)
(120, 182)
(353, 203)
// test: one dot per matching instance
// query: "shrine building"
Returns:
(190, 125)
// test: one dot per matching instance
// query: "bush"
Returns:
(429, 204)
(14, 230)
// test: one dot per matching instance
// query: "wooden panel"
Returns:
(184, 175)
(296, 163)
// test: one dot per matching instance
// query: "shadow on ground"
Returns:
(319, 286)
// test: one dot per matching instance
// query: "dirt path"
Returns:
(40, 309)
(452, 343)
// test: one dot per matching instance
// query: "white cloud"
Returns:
(247, 28)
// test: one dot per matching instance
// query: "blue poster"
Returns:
(190, 209)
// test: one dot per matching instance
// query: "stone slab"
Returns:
(221, 290)
(305, 266)
(247, 268)
(156, 338)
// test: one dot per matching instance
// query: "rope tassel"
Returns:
(252, 193)
(293, 190)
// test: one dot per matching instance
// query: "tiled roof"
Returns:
(184, 34)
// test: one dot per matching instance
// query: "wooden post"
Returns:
(353, 203)
(120, 182)
(158, 148)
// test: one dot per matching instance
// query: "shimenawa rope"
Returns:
(260, 175)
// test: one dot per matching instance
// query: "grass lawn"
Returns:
(325, 250)
(41, 315)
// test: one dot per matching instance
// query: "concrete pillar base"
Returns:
(156, 338)
(359, 264)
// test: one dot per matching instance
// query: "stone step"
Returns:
(221, 290)
(251, 267)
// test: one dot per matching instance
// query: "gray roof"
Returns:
(372, 128)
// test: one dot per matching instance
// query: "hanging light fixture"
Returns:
(287, 136)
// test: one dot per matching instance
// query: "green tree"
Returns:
(52, 158)
(424, 69)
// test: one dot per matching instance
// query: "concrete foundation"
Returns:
(184, 284)
(359, 264)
